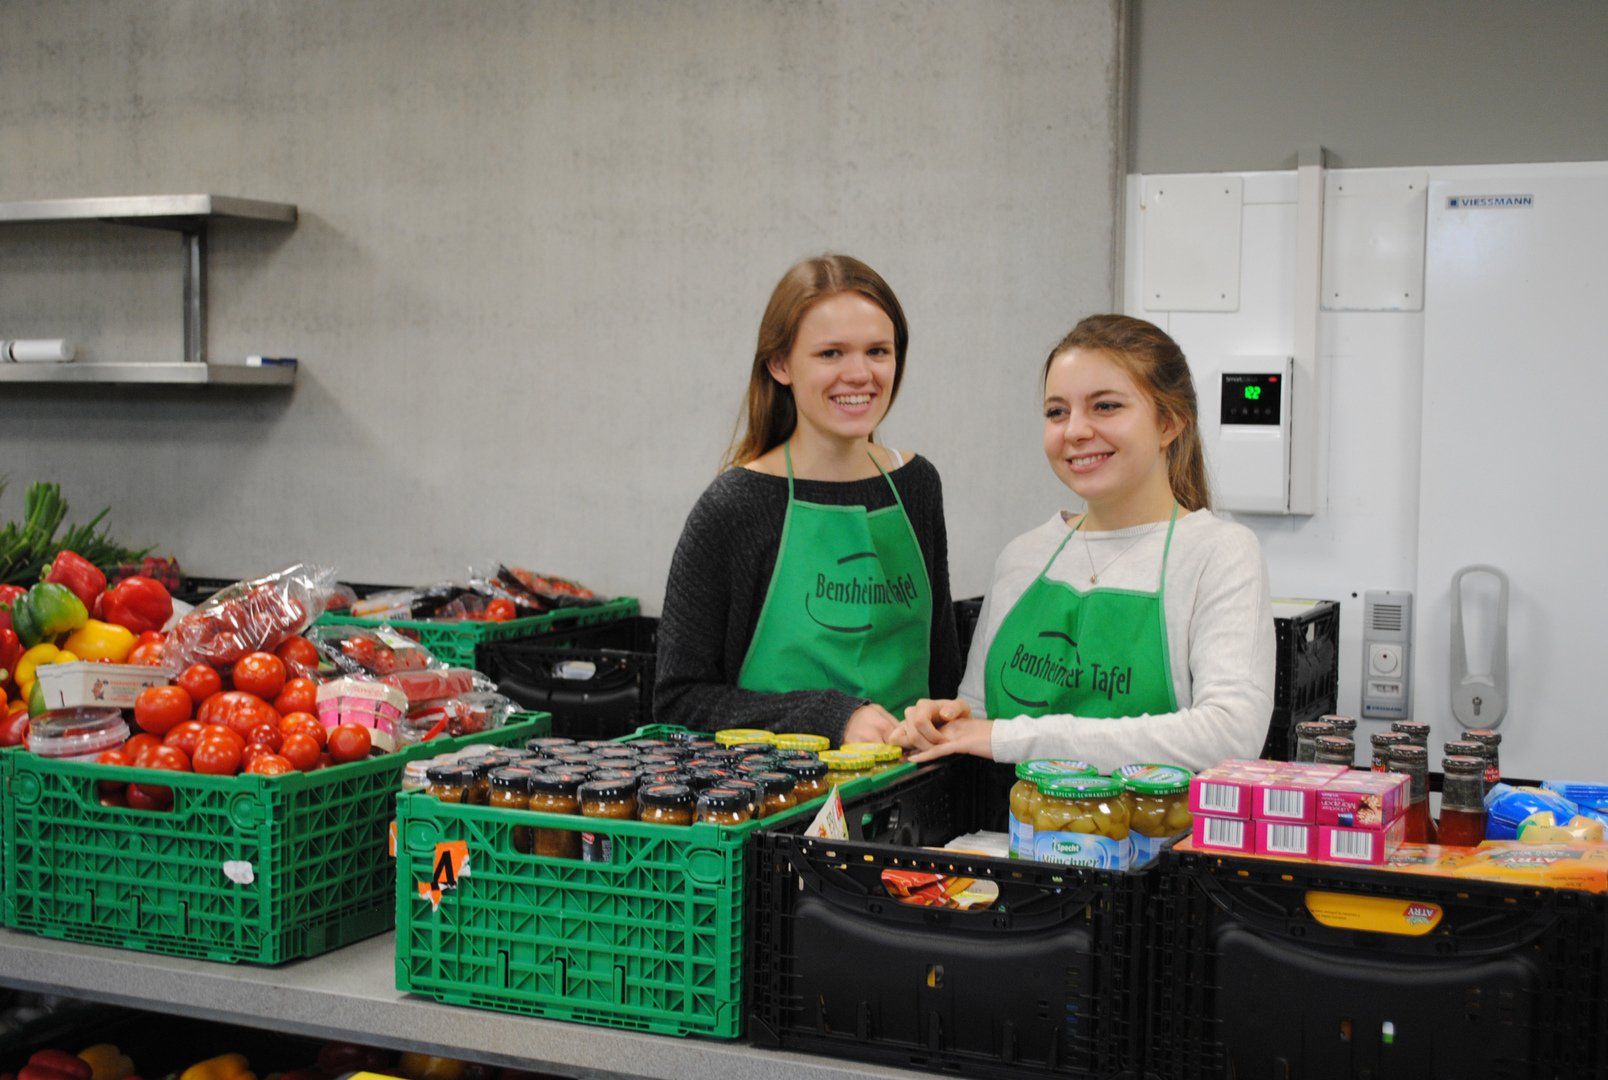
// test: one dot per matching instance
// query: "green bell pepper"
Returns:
(45, 612)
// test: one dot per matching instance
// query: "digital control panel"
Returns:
(1251, 398)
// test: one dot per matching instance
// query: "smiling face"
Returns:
(841, 368)
(1102, 433)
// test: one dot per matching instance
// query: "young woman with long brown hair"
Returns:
(1140, 630)
(810, 589)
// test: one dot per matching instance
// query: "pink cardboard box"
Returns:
(1225, 790)
(1287, 839)
(1290, 795)
(1363, 799)
(1237, 836)
(1359, 847)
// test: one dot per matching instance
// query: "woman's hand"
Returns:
(869, 723)
(968, 735)
(923, 720)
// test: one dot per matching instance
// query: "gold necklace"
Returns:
(1094, 575)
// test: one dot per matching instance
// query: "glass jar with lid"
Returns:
(1462, 816)
(1306, 736)
(510, 790)
(813, 743)
(1024, 796)
(845, 766)
(1335, 750)
(723, 806)
(777, 794)
(809, 775)
(1157, 797)
(1082, 821)
(666, 804)
(1491, 741)
(556, 791)
(449, 783)
(605, 800)
(1383, 742)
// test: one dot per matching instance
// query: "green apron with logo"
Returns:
(1101, 654)
(849, 606)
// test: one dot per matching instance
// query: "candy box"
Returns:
(1226, 790)
(1234, 835)
(1291, 794)
(1288, 840)
(1356, 846)
(1363, 799)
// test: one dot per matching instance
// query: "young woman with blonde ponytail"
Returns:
(810, 589)
(1140, 630)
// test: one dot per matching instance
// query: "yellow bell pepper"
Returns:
(107, 1062)
(97, 640)
(222, 1067)
(35, 658)
(417, 1066)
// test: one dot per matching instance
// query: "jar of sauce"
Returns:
(708, 776)
(777, 794)
(666, 804)
(1462, 817)
(1335, 750)
(748, 789)
(1306, 735)
(1492, 742)
(1383, 742)
(1413, 761)
(556, 792)
(723, 806)
(605, 800)
(809, 776)
(1417, 731)
(480, 785)
(510, 790)
(449, 783)
(414, 778)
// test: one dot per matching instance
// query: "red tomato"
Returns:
(266, 734)
(362, 650)
(259, 673)
(238, 709)
(301, 750)
(150, 637)
(300, 695)
(159, 709)
(170, 758)
(500, 610)
(149, 797)
(139, 745)
(113, 789)
(225, 732)
(185, 736)
(200, 681)
(150, 655)
(306, 724)
(118, 801)
(269, 765)
(249, 752)
(349, 742)
(299, 655)
(324, 760)
(218, 756)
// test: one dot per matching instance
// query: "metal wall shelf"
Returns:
(190, 216)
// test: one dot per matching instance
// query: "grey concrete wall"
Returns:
(1225, 85)
(535, 243)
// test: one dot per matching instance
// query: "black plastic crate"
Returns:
(1245, 981)
(198, 590)
(967, 613)
(1308, 647)
(1046, 981)
(1280, 742)
(596, 681)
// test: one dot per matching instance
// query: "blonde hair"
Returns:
(769, 411)
(1154, 361)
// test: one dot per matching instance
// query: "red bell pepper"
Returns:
(10, 651)
(138, 603)
(80, 575)
(55, 1065)
(9, 594)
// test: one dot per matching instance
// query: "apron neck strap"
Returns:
(787, 455)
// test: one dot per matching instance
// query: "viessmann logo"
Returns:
(1031, 676)
(841, 602)
(1488, 202)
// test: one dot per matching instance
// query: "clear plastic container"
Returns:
(80, 734)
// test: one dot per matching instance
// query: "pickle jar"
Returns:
(605, 800)
(778, 794)
(809, 776)
(844, 766)
(1025, 793)
(813, 743)
(666, 804)
(556, 792)
(449, 783)
(1082, 821)
(741, 736)
(1158, 806)
(723, 806)
(510, 790)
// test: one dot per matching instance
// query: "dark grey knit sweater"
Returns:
(718, 580)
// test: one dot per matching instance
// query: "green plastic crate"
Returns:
(455, 642)
(5, 828)
(316, 845)
(652, 941)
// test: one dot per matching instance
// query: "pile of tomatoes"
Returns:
(262, 725)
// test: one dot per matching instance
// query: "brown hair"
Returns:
(1154, 361)
(770, 413)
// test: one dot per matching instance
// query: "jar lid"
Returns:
(557, 782)
(1463, 748)
(723, 799)
(615, 751)
(1463, 763)
(650, 744)
(879, 751)
(658, 759)
(1040, 767)
(667, 796)
(1411, 727)
(546, 742)
(1311, 728)
(804, 768)
(796, 741)
(626, 777)
(757, 759)
(1344, 725)
(608, 788)
(775, 783)
(846, 760)
(1382, 739)
(1409, 754)
(475, 751)
(1335, 743)
(739, 736)
(449, 774)
(1154, 779)
(668, 776)
(710, 776)
(1080, 787)
(416, 769)
(701, 744)
(1483, 736)
(797, 755)
(512, 778)
(753, 791)
(86, 731)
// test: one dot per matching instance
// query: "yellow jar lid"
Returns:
(847, 760)
(803, 742)
(879, 751)
(739, 736)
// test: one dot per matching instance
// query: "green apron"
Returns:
(849, 606)
(1101, 654)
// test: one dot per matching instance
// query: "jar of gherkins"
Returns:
(1082, 821)
(1158, 806)
(1024, 798)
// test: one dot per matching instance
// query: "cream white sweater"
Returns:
(1219, 635)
